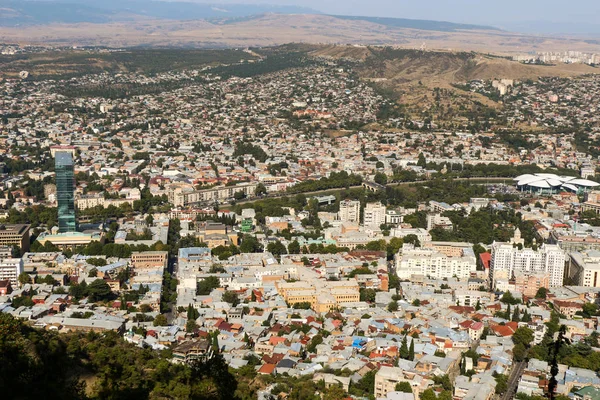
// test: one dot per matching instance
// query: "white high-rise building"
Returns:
(374, 214)
(507, 260)
(349, 211)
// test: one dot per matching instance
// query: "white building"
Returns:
(11, 268)
(430, 262)
(438, 221)
(374, 214)
(507, 259)
(350, 211)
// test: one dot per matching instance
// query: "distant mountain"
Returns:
(19, 12)
(421, 24)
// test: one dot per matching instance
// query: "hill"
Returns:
(126, 24)
(423, 82)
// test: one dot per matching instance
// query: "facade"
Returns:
(149, 259)
(583, 268)
(65, 192)
(350, 211)
(387, 378)
(323, 296)
(433, 263)
(181, 197)
(374, 214)
(507, 261)
(10, 268)
(15, 235)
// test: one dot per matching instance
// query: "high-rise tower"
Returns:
(65, 193)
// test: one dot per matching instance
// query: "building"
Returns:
(194, 350)
(387, 378)
(438, 221)
(507, 261)
(65, 193)
(323, 296)
(583, 268)
(374, 214)
(349, 211)
(433, 263)
(15, 235)
(10, 269)
(393, 217)
(149, 259)
(550, 183)
(70, 240)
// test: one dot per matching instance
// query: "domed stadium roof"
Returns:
(552, 181)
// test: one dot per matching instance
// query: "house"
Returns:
(190, 351)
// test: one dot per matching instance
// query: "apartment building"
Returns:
(10, 268)
(349, 211)
(374, 214)
(507, 260)
(430, 262)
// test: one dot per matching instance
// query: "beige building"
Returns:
(323, 296)
(15, 235)
(149, 259)
(387, 378)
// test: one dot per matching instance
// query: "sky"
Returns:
(552, 16)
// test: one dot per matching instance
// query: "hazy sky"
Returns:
(572, 14)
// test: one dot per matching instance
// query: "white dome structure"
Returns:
(551, 183)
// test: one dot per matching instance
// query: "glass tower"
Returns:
(65, 192)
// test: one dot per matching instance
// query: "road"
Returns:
(513, 380)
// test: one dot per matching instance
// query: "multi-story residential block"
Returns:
(507, 260)
(349, 211)
(430, 262)
(374, 214)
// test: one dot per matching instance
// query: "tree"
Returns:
(277, 248)
(501, 384)
(508, 298)
(367, 295)
(380, 178)
(24, 278)
(393, 306)
(334, 392)
(403, 387)
(519, 352)
(160, 320)
(231, 297)
(428, 394)
(542, 293)
(207, 285)
(516, 317)
(98, 290)
(523, 335)
(260, 190)
(411, 351)
(294, 247)
(404, 349)
(93, 273)
(314, 342)
(190, 326)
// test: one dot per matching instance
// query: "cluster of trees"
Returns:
(485, 226)
(335, 180)
(49, 365)
(246, 148)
